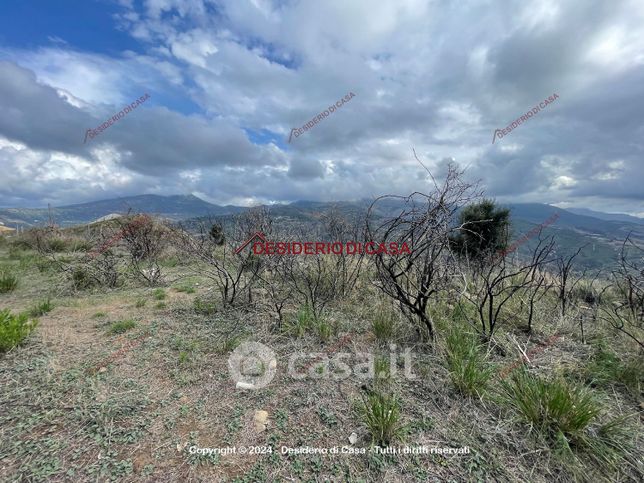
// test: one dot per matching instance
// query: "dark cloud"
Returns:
(439, 77)
(306, 169)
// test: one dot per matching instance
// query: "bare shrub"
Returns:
(497, 280)
(143, 239)
(425, 222)
(567, 278)
(234, 272)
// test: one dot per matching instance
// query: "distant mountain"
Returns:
(178, 207)
(587, 225)
(606, 216)
(601, 236)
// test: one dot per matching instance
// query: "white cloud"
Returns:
(229, 80)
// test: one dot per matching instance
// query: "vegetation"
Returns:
(567, 416)
(14, 329)
(484, 229)
(384, 325)
(466, 362)
(380, 413)
(121, 326)
(8, 282)
(41, 308)
(389, 349)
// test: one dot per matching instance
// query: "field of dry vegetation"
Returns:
(115, 339)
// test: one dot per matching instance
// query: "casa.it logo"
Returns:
(252, 365)
(261, 246)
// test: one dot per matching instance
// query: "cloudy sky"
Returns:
(229, 79)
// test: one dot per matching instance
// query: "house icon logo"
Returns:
(259, 235)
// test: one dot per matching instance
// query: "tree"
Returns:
(217, 234)
(484, 229)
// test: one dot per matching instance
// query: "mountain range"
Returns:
(601, 233)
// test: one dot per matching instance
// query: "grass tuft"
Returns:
(8, 282)
(567, 416)
(553, 408)
(121, 326)
(380, 412)
(606, 368)
(466, 362)
(14, 329)
(383, 325)
(203, 306)
(304, 320)
(42, 308)
(324, 329)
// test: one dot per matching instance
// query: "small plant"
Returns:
(57, 245)
(554, 408)
(304, 320)
(327, 416)
(14, 329)
(323, 329)
(140, 303)
(121, 326)
(382, 369)
(99, 315)
(231, 343)
(8, 282)
(567, 415)
(159, 294)
(383, 325)
(204, 307)
(42, 308)
(186, 289)
(381, 414)
(169, 262)
(606, 368)
(466, 362)
(281, 419)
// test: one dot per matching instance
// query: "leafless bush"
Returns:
(425, 223)
(498, 280)
(143, 239)
(313, 278)
(346, 267)
(275, 279)
(567, 279)
(628, 278)
(540, 281)
(233, 272)
(626, 315)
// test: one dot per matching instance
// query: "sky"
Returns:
(228, 80)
